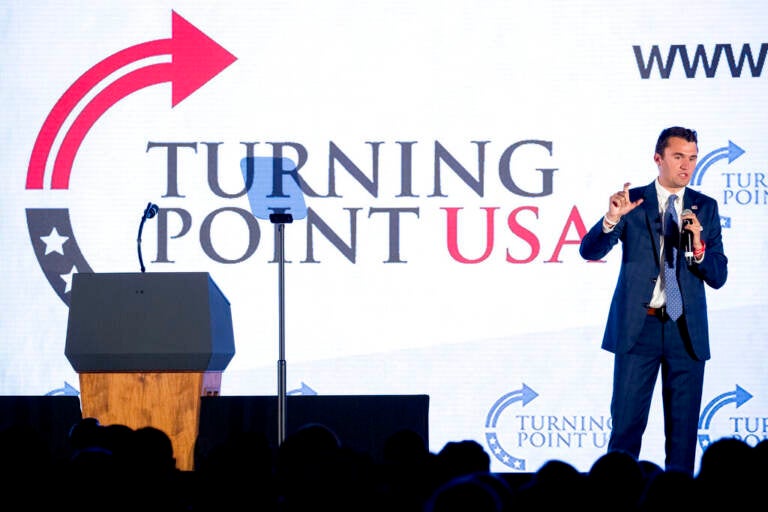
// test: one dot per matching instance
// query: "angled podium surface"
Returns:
(146, 347)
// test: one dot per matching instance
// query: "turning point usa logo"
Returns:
(194, 60)
(511, 433)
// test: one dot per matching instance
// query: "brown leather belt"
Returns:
(660, 313)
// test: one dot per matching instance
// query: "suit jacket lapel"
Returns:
(653, 218)
(689, 200)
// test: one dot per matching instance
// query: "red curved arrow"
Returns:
(195, 59)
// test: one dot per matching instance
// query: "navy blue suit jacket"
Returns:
(639, 232)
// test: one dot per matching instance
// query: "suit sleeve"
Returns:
(597, 243)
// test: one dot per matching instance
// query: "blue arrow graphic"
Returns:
(525, 394)
(67, 390)
(732, 152)
(740, 395)
(303, 390)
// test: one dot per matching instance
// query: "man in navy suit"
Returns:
(639, 331)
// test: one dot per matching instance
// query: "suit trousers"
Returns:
(663, 345)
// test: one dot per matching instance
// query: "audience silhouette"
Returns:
(407, 475)
(555, 485)
(727, 477)
(239, 470)
(25, 461)
(118, 468)
(668, 490)
(615, 481)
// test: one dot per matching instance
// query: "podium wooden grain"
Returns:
(169, 401)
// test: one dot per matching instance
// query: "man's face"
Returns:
(677, 163)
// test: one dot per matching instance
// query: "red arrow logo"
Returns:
(195, 59)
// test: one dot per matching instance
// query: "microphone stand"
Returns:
(281, 219)
(149, 212)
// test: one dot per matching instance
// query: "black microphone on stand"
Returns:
(688, 239)
(149, 212)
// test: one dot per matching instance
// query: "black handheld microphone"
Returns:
(688, 239)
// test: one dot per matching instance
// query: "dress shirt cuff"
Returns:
(608, 225)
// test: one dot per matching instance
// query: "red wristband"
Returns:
(699, 252)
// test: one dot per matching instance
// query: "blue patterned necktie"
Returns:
(671, 241)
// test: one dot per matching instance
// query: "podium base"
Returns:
(169, 401)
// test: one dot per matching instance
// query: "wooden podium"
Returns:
(146, 347)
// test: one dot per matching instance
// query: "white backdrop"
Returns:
(497, 129)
